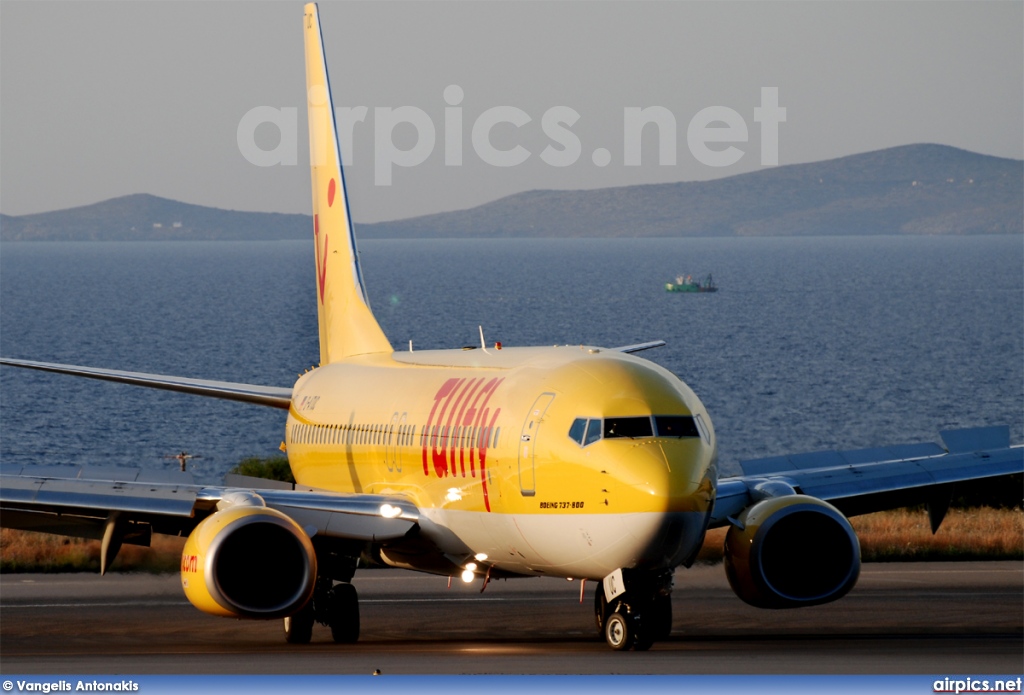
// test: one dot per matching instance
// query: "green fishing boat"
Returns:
(687, 284)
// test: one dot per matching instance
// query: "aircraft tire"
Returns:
(643, 635)
(619, 631)
(343, 613)
(298, 628)
(600, 610)
(660, 619)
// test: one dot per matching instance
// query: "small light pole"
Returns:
(182, 458)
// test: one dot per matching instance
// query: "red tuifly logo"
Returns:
(464, 425)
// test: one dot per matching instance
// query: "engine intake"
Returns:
(791, 551)
(248, 562)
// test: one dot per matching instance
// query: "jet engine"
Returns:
(791, 551)
(248, 562)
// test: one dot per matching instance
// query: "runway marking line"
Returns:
(927, 571)
(126, 604)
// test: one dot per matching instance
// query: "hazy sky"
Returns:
(102, 99)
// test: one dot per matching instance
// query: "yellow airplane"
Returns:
(495, 462)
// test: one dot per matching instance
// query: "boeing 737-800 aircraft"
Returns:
(488, 463)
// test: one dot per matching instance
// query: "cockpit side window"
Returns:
(593, 432)
(576, 432)
(631, 427)
(675, 426)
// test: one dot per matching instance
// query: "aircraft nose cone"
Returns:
(669, 476)
(690, 475)
(681, 489)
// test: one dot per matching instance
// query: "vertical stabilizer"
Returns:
(347, 326)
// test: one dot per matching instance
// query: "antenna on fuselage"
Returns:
(483, 345)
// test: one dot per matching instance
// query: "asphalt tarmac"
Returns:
(943, 618)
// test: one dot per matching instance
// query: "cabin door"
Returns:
(528, 444)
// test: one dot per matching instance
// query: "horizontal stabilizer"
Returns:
(641, 346)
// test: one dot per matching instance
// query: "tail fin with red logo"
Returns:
(347, 325)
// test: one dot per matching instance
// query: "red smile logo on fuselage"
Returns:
(321, 254)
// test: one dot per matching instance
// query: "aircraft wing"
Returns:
(80, 501)
(870, 480)
(272, 396)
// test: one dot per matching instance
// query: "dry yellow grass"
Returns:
(967, 534)
(902, 535)
(899, 535)
(25, 551)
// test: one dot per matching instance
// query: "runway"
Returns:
(941, 618)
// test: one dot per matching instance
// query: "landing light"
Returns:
(480, 557)
(389, 512)
(467, 576)
(471, 566)
(454, 494)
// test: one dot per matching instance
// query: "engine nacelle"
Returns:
(791, 551)
(248, 562)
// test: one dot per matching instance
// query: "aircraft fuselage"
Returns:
(491, 446)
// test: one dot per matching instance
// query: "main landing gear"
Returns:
(335, 605)
(639, 617)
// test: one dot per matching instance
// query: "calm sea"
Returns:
(811, 343)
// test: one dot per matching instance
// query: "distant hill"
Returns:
(143, 217)
(913, 189)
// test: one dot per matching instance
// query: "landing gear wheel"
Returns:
(660, 617)
(619, 631)
(644, 637)
(600, 610)
(343, 613)
(298, 628)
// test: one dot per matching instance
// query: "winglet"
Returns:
(347, 325)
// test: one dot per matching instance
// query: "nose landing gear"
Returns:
(639, 617)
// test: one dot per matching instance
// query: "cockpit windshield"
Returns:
(585, 431)
(675, 426)
(631, 427)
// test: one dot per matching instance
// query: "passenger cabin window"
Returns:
(632, 427)
(675, 426)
